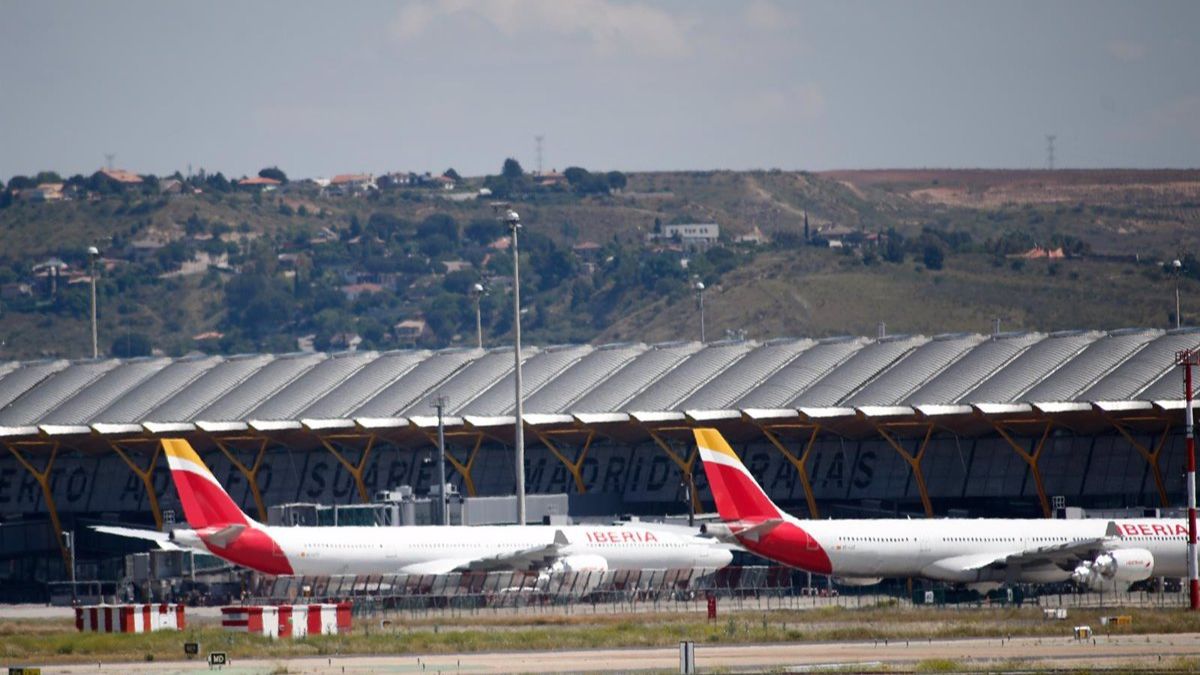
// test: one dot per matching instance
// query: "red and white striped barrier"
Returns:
(129, 618)
(261, 620)
(292, 621)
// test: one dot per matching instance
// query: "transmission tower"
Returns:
(1050, 151)
(108, 160)
(539, 140)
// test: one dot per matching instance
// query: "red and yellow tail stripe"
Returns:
(211, 512)
(743, 503)
(205, 502)
(738, 495)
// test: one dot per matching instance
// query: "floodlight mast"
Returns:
(513, 220)
(1188, 358)
(1176, 270)
(477, 294)
(442, 512)
(93, 255)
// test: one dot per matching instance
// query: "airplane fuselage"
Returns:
(954, 549)
(436, 549)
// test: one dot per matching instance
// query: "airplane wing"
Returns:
(529, 558)
(442, 566)
(1065, 556)
(161, 538)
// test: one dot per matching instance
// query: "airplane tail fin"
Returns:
(739, 497)
(205, 503)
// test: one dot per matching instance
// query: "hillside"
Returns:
(221, 269)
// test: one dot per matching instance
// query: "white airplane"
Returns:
(984, 551)
(219, 527)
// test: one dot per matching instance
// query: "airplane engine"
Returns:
(580, 563)
(1126, 565)
(718, 531)
(857, 581)
(186, 538)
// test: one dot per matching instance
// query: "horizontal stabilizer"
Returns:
(757, 532)
(223, 537)
(161, 538)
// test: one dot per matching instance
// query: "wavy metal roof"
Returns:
(677, 383)
(734, 382)
(413, 384)
(536, 372)
(223, 377)
(978, 364)
(1132, 368)
(916, 369)
(638, 374)
(857, 371)
(135, 404)
(1013, 379)
(1149, 375)
(351, 393)
(793, 379)
(581, 378)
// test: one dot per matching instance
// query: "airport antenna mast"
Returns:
(539, 138)
(1050, 151)
(108, 160)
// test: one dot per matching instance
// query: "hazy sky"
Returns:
(325, 88)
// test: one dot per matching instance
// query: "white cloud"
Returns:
(767, 16)
(607, 25)
(1126, 51)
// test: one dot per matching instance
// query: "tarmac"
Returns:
(1149, 652)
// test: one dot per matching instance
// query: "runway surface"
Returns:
(1146, 651)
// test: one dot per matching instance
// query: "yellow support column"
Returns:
(43, 480)
(464, 469)
(355, 470)
(1151, 457)
(800, 463)
(914, 463)
(251, 472)
(575, 467)
(1032, 461)
(685, 466)
(146, 475)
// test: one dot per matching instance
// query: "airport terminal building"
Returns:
(1012, 424)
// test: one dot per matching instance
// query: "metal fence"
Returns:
(734, 588)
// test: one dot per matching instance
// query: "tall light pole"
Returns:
(477, 294)
(440, 404)
(93, 256)
(700, 299)
(514, 223)
(1188, 358)
(1177, 269)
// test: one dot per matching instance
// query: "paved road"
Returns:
(1146, 651)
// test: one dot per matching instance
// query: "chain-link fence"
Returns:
(681, 590)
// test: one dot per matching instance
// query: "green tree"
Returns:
(438, 224)
(274, 173)
(933, 257)
(512, 170)
(575, 175)
(21, 183)
(893, 250)
(484, 231)
(452, 174)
